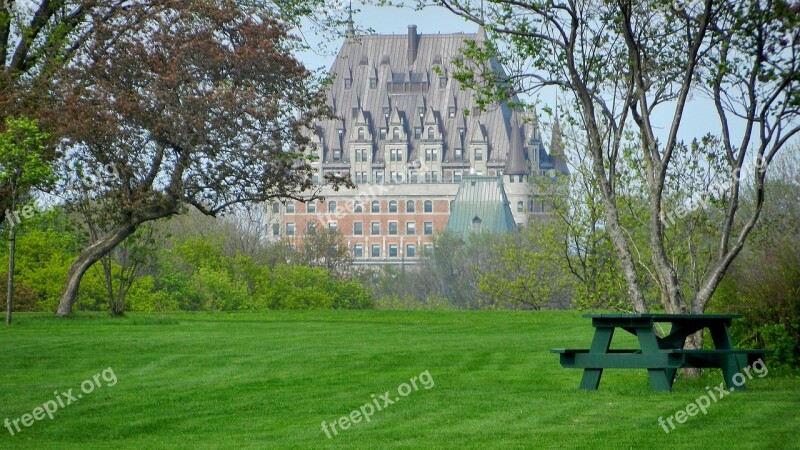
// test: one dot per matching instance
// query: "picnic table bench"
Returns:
(661, 356)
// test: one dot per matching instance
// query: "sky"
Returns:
(699, 117)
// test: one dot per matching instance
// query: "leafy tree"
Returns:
(325, 248)
(199, 103)
(526, 269)
(623, 63)
(23, 167)
(39, 39)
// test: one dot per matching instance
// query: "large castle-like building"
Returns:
(408, 136)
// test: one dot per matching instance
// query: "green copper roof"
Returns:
(481, 206)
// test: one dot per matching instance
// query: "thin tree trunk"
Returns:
(12, 236)
(89, 256)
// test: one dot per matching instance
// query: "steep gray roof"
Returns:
(481, 199)
(395, 73)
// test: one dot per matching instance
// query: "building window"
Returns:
(290, 228)
(411, 228)
(310, 227)
(428, 206)
(431, 154)
(276, 229)
(396, 133)
(520, 207)
(478, 154)
(427, 228)
(361, 177)
(458, 155)
(442, 82)
(457, 176)
(358, 251)
(358, 207)
(427, 249)
(413, 177)
(333, 225)
(411, 251)
(348, 83)
(417, 133)
(393, 228)
(373, 83)
(392, 206)
(386, 111)
(290, 208)
(358, 228)
(311, 207)
(376, 251)
(378, 176)
(376, 228)
(410, 206)
(361, 155)
(396, 155)
(383, 134)
(432, 177)
(420, 111)
(430, 133)
(276, 207)
(361, 133)
(451, 111)
(331, 206)
(376, 206)
(393, 250)
(396, 177)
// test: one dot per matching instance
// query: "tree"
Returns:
(38, 39)
(198, 103)
(22, 167)
(526, 268)
(623, 63)
(326, 248)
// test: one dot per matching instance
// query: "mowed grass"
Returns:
(268, 380)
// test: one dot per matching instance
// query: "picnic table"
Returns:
(661, 356)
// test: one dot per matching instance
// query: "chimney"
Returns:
(413, 44)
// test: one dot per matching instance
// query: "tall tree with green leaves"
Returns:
(23, 167)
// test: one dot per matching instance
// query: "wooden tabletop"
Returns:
(664, 317)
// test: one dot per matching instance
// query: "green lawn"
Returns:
(268, 380)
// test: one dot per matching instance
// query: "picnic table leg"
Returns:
(731, 364)
(600, 344)
(660, 379)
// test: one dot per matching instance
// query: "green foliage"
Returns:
(23, 163)
(526, 269)
(764, 283)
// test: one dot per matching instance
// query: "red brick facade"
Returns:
(389, 232)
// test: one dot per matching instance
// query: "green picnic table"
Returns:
(661, 356)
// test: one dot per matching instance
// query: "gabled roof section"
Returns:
(481, 206)
(478, 133)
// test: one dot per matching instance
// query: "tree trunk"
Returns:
(12, 236)
(89, 256)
